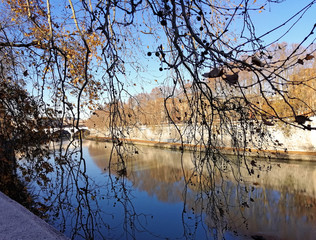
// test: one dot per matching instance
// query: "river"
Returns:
(164, 194)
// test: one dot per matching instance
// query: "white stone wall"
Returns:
(277, 137)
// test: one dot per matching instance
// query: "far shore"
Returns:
(272, 154)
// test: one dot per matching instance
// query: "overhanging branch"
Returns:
(18, 45)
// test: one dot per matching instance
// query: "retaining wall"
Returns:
(278, 141)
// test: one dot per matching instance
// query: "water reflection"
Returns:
(164, 194)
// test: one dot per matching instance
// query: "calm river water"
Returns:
(162, 194)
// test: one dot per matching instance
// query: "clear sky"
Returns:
(276, 14)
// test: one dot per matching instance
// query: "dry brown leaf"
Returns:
(256, 61)
(214, 73)
(300, 61)
(309, 57)
(231, 79)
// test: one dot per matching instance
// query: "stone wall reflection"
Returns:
(283, 197)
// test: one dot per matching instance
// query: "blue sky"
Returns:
(277, 13)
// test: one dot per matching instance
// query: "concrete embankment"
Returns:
(273, 154)
(280, 143)
(18, 223)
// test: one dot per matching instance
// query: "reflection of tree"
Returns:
(212, 200)
(69, 197)
(74, 202)
(149, 172)
(213, 204)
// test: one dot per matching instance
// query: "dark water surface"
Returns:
(161, 194)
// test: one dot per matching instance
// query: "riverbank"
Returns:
(272, 154)
(279, 141)
(17, 222)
